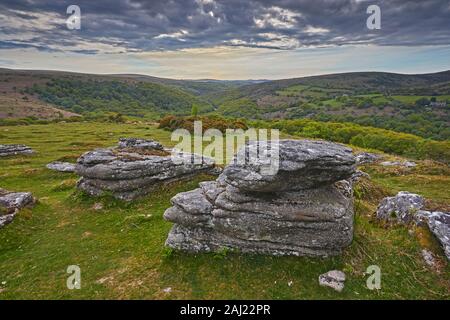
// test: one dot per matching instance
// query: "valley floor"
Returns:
(120, 248)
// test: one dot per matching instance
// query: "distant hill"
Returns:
(15, 103)
(415, 104)
(360, 83)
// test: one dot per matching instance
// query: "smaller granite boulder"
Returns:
(61, 166)
(135, 168)
(14, 149)
(334, 279)
(11, 203)
(403, 207)
(439, 225)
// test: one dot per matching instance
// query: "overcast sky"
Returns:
(226, 39)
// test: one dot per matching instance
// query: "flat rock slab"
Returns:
(61, 166)
(11, 203)
(139, 144)
(334, 279)
(303, 164)
(406, 164)
(14, 149)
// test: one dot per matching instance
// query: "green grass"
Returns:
(121, 252)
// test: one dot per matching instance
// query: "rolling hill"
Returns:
(416, 104)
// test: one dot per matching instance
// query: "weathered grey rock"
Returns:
(61, 166)
(6, 219)
(139, 143)
(402, 208)
(314, 222)
(334, 279)
(406, 164)
(358, 175)
(11, 203)
(303, 164)
(409, 164)
(302, 221)
(133, 170)
(14, 149)
(366, 157)
(428, 257)
(439, 225)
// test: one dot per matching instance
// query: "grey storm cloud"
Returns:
(135, 25)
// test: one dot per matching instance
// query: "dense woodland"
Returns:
(138, 99)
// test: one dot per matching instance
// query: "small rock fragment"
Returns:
(334, 279)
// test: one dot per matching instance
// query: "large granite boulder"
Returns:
(313, 215)
(402, 208)
(14, 149)
(135, 168)
(11, 203)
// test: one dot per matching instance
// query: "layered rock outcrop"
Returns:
(135, 167)
(14, 149)
(302, 209)
(407, 207)
(401, 207)
(11, 203)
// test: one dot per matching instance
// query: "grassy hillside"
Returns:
(417, 104)
(16, 103)
(120, 248)
(135, 99)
